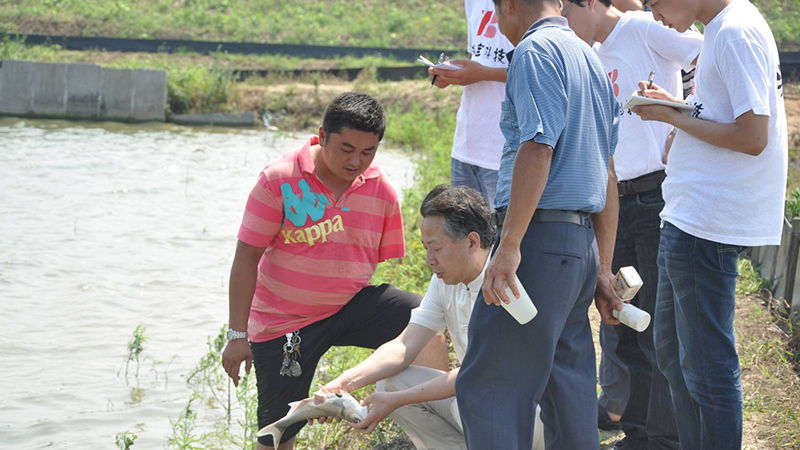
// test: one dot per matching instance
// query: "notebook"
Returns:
(638, 100)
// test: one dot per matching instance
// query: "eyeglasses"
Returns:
(564, 13)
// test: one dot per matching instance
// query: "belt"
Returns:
(579, 218)
(641, 184)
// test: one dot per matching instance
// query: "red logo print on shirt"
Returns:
(490, 19)
(614, 75)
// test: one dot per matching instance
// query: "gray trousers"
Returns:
(509, 369)
(434, 425)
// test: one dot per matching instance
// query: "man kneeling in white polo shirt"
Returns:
(457, 231)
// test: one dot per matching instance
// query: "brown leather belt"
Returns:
(579, 218)
(641, 184)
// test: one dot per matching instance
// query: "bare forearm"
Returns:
(443, 386)
(496, 74)
(749, 140)
(389, 359)
(529, 178)
(242, 287)
(605, 224)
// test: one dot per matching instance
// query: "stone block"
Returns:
(115, 94)
(83, 91)
(16, 94)
(149, 93)
(49, 86)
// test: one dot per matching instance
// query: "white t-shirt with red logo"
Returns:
(478, 139)
(637, 45)
(719, 194)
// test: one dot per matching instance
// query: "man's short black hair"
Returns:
(355, 110)
(464, 210)
(540, 3)
(582, 3)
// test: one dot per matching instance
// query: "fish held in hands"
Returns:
(322, 404)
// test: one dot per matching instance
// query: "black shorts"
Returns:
(375, 315)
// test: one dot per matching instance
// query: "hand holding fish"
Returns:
(322, 404)
(331, 388)
(380, 405)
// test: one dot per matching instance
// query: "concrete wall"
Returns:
(774, 262)
(81, 91)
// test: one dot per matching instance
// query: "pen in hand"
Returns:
(441, 60)
(650, 79)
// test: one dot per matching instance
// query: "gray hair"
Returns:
(464, 210)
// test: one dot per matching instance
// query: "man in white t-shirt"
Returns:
(457, 231)
(630, 46)
(725, 189)
(478, 142)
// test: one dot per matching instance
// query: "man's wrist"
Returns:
(233, 334)
(509, 239)
(346, 382)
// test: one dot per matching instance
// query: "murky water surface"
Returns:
(103, 227)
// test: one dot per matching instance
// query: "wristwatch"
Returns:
(233, 334)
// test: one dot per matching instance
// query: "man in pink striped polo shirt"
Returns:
(317, 223)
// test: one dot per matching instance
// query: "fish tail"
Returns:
(274, 431)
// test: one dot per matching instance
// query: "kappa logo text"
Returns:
(311, 234)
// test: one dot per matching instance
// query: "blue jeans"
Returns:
(648, 420)
(510, 368)
(481, 179)
(695, 340)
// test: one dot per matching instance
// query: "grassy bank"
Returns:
(412, 23)
(197, 83)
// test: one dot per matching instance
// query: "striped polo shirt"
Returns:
(558, 94)
(320, 251)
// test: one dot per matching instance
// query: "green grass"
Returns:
(783, 17)
(196, 83)
(750, 281)
(16, 49)
(429, 135)
(392, 23)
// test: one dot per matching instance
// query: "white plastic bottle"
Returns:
(633, 317)
(522, 309)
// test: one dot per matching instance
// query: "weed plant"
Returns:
(125, 440)
(135, 349)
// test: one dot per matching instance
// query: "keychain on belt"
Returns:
(291, 355)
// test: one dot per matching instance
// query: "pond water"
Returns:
(105, 226)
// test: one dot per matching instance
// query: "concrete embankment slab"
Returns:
(81, 91)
